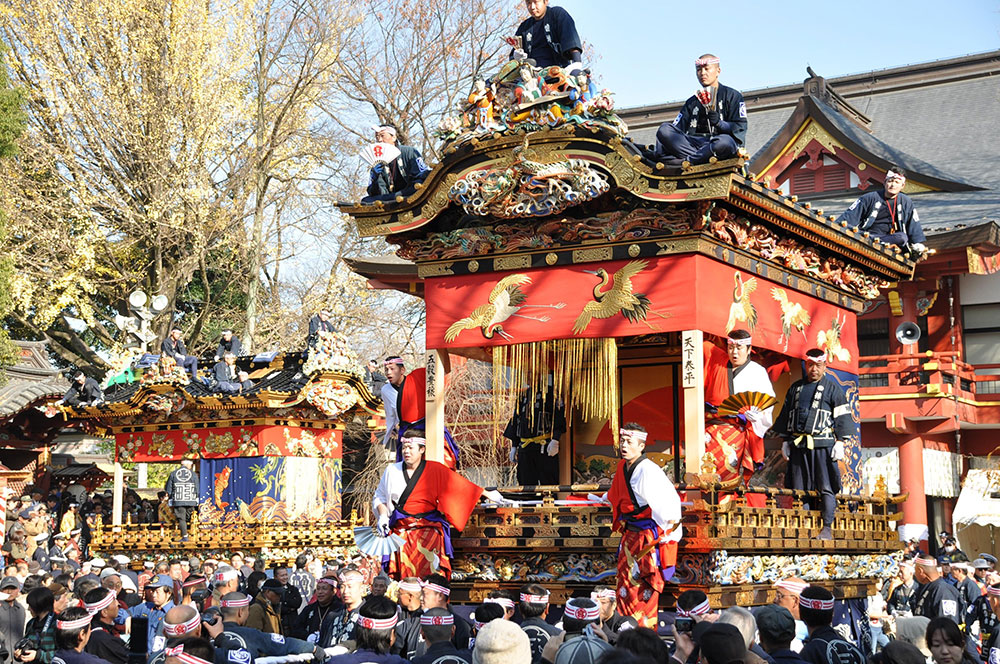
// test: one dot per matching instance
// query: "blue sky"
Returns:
(646, 48)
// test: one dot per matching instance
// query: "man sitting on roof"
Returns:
(712, 122)
(85, 391)
(226, 376)
(401, 176)
(548, 36)
(228, 343)
(888, 215)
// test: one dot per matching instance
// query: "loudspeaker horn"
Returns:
(908, 333)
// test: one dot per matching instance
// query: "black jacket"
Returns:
(408, 169)
(826, 646)
(172, 349)
(259, 644)
(311, 619)
(11, 628)
(693, 118)
(317, 325)
(106, 645)
(865, 210)
(551, 40)
(220, 373)
(938, 599)
(443, 652)
(232, 346)
(182, 487)
(87, 393)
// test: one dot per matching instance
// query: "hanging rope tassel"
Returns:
(584, 375)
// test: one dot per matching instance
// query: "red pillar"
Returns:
(911, 480)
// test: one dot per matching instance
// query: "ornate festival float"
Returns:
(549, 244)
(269, 459)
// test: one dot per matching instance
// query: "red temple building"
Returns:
(930, 400)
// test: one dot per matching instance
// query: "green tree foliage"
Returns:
(11, 125)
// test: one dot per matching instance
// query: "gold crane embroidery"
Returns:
(618, 299)
(742, 310)
(505, 300)
(792, 315)
(829, 340)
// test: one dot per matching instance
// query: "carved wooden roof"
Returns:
(648, 209)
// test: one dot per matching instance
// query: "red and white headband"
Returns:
(794, 587)
(502, 601)
(892, 175)
(192, 582)
(816, 604)
(101, 604)
(394, 360)
(697, 610)
(234, 603)
(925, 562)
(187, 658)
(739, 342)
(437, 620)
(701, 62)
(638, 435)
(409, 586)
(74, 624)
(183, 628)
(572, 610)
(376, 623)
(436, 588)
(535, 599)
(333, 582)
(225, 575)
(413, 439)
(606, 593)
(995, 592)
(475, 623)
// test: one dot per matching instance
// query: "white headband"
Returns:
(409, 587)
(376, 623)
(607, 593)
(183, 628)
(697, 610)
(234, 603)
(795, 587)
(436, 588)
(581, 612)
(706, 61)
(816, 604)
(100, 605)
(225, 575)
(891, 175)
(502, 601)
(638, 435)
(74, 624)
(535, 599)
(740, 342)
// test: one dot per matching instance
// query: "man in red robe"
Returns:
(736, 441)
(411, 408)
(420, 500)
(647, 509)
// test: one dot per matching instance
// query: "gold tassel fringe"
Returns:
(585, 376)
